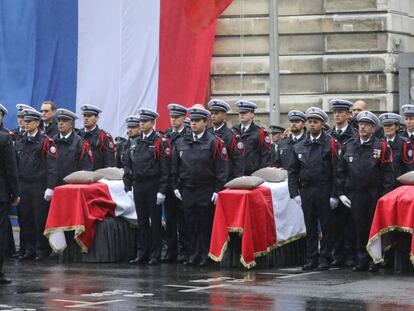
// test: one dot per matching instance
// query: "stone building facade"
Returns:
(327, 49)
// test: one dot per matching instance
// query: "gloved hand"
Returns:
(130, 193)
(48, 194)
(178, 194)
(214, 197)
(298, 200)
(333, 202)
(345, 201)
(160, 198)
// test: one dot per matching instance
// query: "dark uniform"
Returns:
(147, 173)
(311, 175)
(121, 145)
(8, 190)
(283, 151)
(37, 166)
(103, 147)
(364, 174)
(199, 169)
(408, 111)
(257, 147)
(51, 129)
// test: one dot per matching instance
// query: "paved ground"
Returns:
(49, 286)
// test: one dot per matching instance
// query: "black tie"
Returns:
(412, 137)
(339, 132)
(243, 129)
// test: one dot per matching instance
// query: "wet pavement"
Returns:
(50, 286)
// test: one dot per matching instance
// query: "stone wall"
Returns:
(327, 49)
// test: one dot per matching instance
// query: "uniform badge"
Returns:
(53, 150)
(164, 139)
(300, 156)
(111, 145)
(181, 154)
(240, 145)
(167, 151)
(377, 153)
(281, 151)
(90, 153)
(267, 139)
(410, 153)
(351, 159)
(224, 151)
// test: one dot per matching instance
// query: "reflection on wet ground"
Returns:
(121, 287)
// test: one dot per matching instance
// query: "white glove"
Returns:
(48, 194)
(345, 201)
(178, 194)
(333, 202)
(214, 197)
(297, 200)
(160, 198)
(130, 193)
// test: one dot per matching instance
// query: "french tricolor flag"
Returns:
(119, 55)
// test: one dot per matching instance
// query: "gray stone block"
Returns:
(245, 25)
(360, 63)
(361, 82)
(365, 42)
(237, 65)
(350, 5)
(300, 64)
(302, 84)
(300, 24)
(230, 85)
(354, 22)
(256, 45)
(300, 7)
(247, 8)
(301, 44)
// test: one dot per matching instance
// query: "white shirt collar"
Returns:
(315, 138)
(409, 134)
(28, 135)
(297, 137)
(364, 141)
(87, 130)
(198, 135)
(343, 129)
(65, 137)
(246, 126)
(144, 136)
(390, 139)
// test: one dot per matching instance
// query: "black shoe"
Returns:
(360, 268)
(154, 262)
(309, 266)
(139, 260)
(336, 263)
(41, 257)
(372, 267)
(322, 266)
(349, 263)
(27, 256)
(4, 280)
(204, 262)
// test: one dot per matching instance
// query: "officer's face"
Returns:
(146, 125)
(47, 112)
(340, 116)
(177, 122)
(20, 122)
(366, 129)
(198, 125)
(90, 120)
(315, 126)
(31, 125)
(277, 137)
(296, 126)
(133, 131)
(246, 117)
(390, 130)
(409, 123)
(218, 117)
(358, 107)
(65, 126)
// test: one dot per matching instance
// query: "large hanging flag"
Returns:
(119, 55)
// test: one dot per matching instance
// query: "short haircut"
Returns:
(52, 104)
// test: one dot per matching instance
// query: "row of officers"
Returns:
(337, 175)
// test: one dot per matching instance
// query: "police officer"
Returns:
(19, 131)
(119, 147)
(176, 234)
(357, 107)
(199, 171)
(3, 112)
(74, 152)
(48, 110)
(235, 147)
(37, 162)
(343, 234)
(133, 131)
(146, 175)
(101, 142)
(311, 182)
(283, 151)
(9, 193)
(408, 113)
(257, 144)
(402, 148)
(364, 174)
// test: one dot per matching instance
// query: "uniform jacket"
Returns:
(9, 186)
(282, 152)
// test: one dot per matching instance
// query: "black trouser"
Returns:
(198, 215)
(363, 205)
(343, 233)
(22, 246)
(4, 219)
(149, 233)
(315, 205)
(176, 234)
(34, 211)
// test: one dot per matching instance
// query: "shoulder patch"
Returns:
(52, 149)
(240, 145)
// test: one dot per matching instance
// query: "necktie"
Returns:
(195, 138)
(243, 129)
(339, 132)
(412, 137)
(295, 139)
